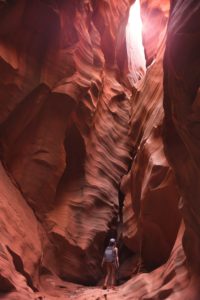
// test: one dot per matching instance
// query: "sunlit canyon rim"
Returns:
(99, 138)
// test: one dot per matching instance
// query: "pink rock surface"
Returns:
(21, 240)
(67, 114)
(74, 132)
(151, 194)
(181, 103)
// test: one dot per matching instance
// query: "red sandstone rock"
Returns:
(152, 197)
(71, 143)
(171, 281)
(181, 103)
(155, 16)
(68, 129)
(21, 243)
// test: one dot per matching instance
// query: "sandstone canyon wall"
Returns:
(64, 124)
(181, 103)
(82, 151)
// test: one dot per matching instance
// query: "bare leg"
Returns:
(108, 275)
(113, 276)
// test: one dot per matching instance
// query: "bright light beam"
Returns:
(135, 49)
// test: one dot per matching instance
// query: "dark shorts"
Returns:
(110, 265)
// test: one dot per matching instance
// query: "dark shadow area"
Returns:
(75, 159)
(20, 268)
(5, 286)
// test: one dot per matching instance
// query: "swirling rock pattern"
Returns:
(73, 132)
(181, 103)
(152, 197)
(67, 115)
(21, 241)
(155, 16)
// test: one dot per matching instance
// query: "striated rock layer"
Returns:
(151, 194)
(22, 240)
(82, 151)
(67, 115)
(181, 103)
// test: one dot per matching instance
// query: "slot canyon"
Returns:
(99, 139)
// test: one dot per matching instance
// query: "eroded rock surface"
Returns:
(22, 240)
(181, 102)
(151, 195)
(74, 133)
(64, 122)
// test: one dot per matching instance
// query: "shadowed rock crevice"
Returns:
(18, 263)
(75, 160)
(6, 286)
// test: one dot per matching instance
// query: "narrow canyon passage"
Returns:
(99, 139)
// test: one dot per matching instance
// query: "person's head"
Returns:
(112, 242)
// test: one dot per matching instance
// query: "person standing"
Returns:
(111, 260)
